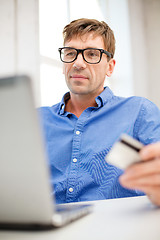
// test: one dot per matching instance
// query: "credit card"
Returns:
(124, 152)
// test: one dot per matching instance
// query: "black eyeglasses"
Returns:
(90, 55)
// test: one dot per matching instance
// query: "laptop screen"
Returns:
(24, 173)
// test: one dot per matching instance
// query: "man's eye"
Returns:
(92, 54)
(69, 54)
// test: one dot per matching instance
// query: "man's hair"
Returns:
(82, 26)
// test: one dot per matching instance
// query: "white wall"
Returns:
(121, 81)
(145, 39)
(19, 40)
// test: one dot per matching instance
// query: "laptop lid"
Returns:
(24, 175)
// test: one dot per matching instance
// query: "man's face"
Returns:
(82, 77)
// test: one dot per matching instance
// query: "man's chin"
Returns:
(81, 90)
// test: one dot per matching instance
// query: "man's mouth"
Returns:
(78, 77)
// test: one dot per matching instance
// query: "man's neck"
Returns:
(78, 103)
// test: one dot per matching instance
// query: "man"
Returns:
(81, 129)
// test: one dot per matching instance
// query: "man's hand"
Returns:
(145, 176)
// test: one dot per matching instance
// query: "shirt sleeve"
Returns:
(147, 125)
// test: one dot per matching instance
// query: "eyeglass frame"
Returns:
(110, 55)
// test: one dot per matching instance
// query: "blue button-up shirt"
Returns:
(77, 147)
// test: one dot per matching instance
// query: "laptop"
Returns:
(25, 190)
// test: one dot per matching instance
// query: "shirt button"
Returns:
(70, 189)
(74, 160)
(77, 132)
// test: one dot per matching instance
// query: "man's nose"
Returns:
(79, 62)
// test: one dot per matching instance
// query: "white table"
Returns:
(128, 218)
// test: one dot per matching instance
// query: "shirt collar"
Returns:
(65, 98)
(102, 99)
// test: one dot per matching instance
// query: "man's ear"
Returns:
(110, 67)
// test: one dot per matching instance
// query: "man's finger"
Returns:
(150, 151)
